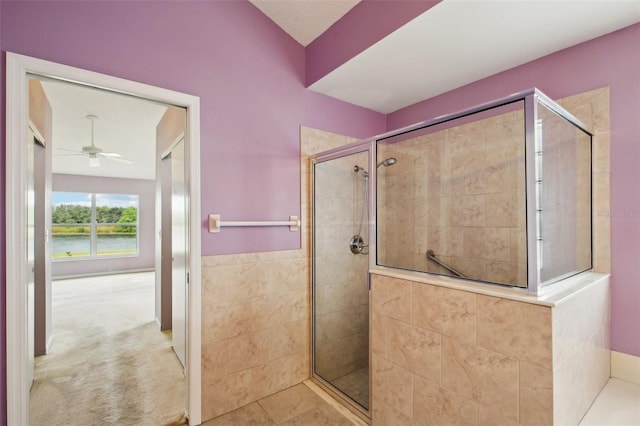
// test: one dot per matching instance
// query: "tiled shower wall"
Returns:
(458, 192)
(255, 312)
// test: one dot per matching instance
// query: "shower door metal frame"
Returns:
(369, 146)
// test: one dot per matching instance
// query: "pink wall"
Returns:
(3, 278)
(248, 74)
(612, 60)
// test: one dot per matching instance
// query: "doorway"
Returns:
(19, 69)
(340, 308)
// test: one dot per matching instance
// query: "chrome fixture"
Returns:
(387, 162)
(359, 169)
(358, 246)
(432, 256)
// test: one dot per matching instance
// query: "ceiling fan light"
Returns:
(94, 162)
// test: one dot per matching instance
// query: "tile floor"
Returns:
(617, 405)
(295, 406)
(356, 385)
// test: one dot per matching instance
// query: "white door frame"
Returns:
(18, 68)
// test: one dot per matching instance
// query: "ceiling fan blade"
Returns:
(111, 154)
(119, 160)
(69, 150)
(77, 154)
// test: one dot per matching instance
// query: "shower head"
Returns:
(357, 169)
(387, 162)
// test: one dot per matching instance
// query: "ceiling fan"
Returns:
(95, 153)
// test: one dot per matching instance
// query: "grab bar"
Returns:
(215, 223)
(432, 256)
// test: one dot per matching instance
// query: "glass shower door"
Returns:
(340, 281)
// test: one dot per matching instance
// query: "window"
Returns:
(86, 225)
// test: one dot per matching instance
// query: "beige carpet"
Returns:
(109, 364)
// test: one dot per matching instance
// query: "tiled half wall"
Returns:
(447, 356)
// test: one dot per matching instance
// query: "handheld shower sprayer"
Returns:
(387, 162)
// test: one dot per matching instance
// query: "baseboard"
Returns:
(625, 367)
(101, 274)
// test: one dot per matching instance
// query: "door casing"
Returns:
(18, 68)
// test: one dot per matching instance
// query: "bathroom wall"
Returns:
(256, 310)
(459, 192)
(255, 322)
(448, 356)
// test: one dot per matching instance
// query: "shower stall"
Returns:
(497, 194)
(341, 281)
(341, 248)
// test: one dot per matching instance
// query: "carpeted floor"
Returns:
(109, 364)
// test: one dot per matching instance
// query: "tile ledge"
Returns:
(559, 293)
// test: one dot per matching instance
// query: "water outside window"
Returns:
(89, 225)
(117, 224)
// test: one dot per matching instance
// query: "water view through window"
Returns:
(89, 225)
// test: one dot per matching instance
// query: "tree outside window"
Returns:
(89, 225)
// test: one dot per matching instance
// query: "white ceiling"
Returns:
(460, 41)
(125, 125)
(305, 20)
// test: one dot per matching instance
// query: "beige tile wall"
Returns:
(256, 312)
(581, 352)
(452, 357)
(592, 108)
(458, 192)
(446, 356)
(255, 327)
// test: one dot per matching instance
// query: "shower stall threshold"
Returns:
(356, 410)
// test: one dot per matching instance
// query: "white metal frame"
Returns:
(18, 68)
(531, 99)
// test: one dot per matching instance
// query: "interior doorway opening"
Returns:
(19, 70)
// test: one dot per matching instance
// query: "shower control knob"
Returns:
(357, 245)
